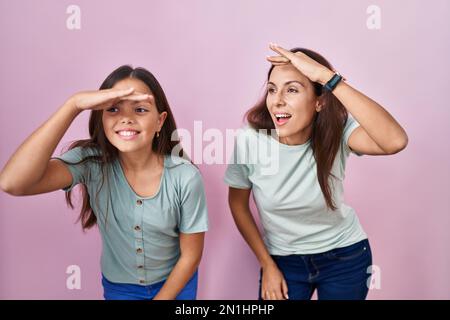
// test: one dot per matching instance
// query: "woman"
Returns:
(312, 239)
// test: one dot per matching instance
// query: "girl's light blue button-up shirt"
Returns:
(140, 235)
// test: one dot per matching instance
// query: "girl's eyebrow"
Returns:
(133, 103)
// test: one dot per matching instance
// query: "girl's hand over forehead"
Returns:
(102, 99)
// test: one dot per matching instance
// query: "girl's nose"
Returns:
(127, 120)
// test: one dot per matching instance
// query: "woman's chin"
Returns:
(283, 133)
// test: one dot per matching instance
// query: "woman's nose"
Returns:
(279, 100)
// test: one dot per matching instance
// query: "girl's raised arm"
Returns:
(30, 170)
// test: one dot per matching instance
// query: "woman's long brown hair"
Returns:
(327, 128)
(107, 152)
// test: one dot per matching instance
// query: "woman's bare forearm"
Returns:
(379, 124)
(249, 231)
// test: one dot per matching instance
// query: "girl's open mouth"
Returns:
(128, 134)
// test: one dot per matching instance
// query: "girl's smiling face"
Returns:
(292, 104)
(131, 125)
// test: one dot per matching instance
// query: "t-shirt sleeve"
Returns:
(350, 126)
(237, 172)
(78, 170)
(194, 212)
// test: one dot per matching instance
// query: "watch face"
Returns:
(338, 77)
(341, 76)
(330, 85)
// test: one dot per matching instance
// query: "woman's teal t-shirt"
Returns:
(286, 190)
(140, 235)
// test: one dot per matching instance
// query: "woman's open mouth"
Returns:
(282, 118)
(127, 134)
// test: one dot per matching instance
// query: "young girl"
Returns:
(149, 205)
(312, 239)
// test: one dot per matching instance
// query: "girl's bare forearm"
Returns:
(28, 163)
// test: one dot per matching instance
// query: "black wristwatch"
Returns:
(333, 82)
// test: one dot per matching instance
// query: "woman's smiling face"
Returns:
(131, 125)
(292, 104)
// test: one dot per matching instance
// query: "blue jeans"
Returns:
(125, 291)
(339, 274)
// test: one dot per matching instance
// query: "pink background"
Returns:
(210, 59)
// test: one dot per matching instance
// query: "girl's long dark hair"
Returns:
(327, 129)
(107, 152)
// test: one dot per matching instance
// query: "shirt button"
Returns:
(139, 250)
(137, 228)
(139, 202)
(142, 281)
(140, 267)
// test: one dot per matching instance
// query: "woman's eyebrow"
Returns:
(287, 83)
(294, 81)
